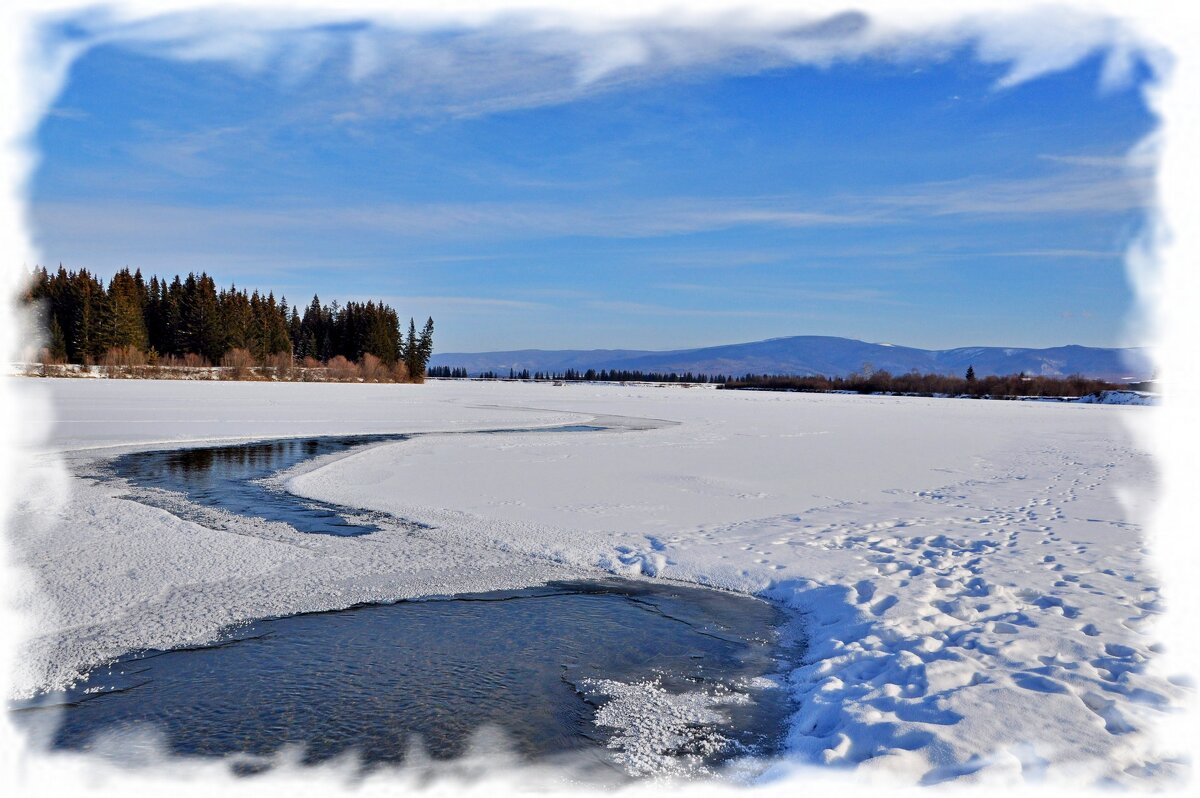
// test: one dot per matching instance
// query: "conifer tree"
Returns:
(125, 317)
(58, 343)
(412, 352)
(425, 345)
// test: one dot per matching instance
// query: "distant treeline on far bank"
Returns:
(135, 327)
(867, 381)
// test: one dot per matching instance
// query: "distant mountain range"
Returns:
(818, 355)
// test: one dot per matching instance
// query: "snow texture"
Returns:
(971, 577)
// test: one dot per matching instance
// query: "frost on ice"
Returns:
(662, 734)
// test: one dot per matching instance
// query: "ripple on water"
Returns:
(535, 664)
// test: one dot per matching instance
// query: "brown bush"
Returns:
(372, 369)
(127, 361)
(313, 370)
(46, 359)
(194, 361)
(280, 365)
(400, 371)
(239, 362)
(341, 369)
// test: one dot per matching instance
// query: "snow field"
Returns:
(971, 576)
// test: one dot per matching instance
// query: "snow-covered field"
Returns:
(971, 576)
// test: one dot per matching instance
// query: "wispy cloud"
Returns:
(784, 293)
(64, 112)
(660, 310)
(458, 63)
(469, 303)
(139, 226)
(197, 153)
(474, 220)
(1073, 192)
(1138, 160)
(1056, 254)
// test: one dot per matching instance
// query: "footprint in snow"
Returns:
(1039, 683)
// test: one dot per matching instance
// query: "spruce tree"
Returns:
(58, 343)
(412, 353)
(425, 345)
(126, 321)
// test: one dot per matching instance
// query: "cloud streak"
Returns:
(455, 62)
(1073, 192)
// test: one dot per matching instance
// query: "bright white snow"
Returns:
(971, 575)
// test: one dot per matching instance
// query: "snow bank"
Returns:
(1120, 398)
(971, 576)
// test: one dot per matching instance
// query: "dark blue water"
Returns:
(231, 477)
(374, 679)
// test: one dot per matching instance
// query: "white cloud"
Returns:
(1075, 192)
(1138, 160)
(461, 303)
(141, 221)
(461, 63)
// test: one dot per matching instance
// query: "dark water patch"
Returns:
(233, 477)
(374, 678)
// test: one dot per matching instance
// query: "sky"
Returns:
(531, 190)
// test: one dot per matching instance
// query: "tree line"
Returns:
(189, 320)
(575, 375)
(866, 382)
(916, 384)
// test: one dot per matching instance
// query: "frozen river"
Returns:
(973, 578)
(378, 679)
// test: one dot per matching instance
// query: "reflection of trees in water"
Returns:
(254, 457)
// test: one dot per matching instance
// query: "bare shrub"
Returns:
(126, 361)
(47, 359)
(372, 369)
(341, 369)
(280, 364)
(194, 361)
(400, 371)
(169, 367)
(312, 370)
(239, 362)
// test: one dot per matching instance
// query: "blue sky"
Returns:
(521, 200)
